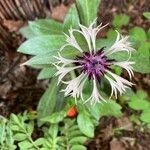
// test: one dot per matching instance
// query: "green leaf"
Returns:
(42, 44)
(40, 141)
(145, 116)
(14, 127)
(138, 34)
(46, 27)
(15, 119)
(71, 19)
(25, 145)
(111, 108)
(148, 34)
(139, 104)
(111, 34)
(2, 131)
(20, 137)
(75, 133)
(78, 147)
(94, 110)
(104, 42)
(46, 60)
(141, 94)
(120, 20)
(48, 100)
(53, 130)
(42, 61)
(46, 73)
(146, 15)
(142, 58)
(78, 140)
(87, 10)
(85, 123)
(27, 32)
(55, 117)
(30, 128)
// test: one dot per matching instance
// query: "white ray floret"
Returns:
(121, 44)
(71, 41)
(95, 96)
(63, 71)
(90, 34)
(118, 84)
(127, 66)
(75, 86)
(64, 61)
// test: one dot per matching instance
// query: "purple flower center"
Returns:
(94, 64)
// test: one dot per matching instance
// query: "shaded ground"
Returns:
(19, 89)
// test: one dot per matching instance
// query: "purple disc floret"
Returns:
(94, 64)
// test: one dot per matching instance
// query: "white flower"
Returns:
(93, 65)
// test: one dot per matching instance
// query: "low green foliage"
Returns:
(139, 102)
(120, 20)
(147, 15)
(18, 132)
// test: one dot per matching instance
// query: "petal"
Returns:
(75, 86)
(86, 35)
(95, 96)
(121, 44)
(90, 33)
(64, 61)
(72, 41)
(127, 66)
(117, 84)
(63, 71)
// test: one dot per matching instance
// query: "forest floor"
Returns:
(20, 90)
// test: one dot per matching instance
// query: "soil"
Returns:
(20, 90)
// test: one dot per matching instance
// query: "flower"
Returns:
(94, 65)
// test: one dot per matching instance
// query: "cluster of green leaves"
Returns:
(88, 115)
(18, 132)
(58, 131)
(6, 136)
(140, 103)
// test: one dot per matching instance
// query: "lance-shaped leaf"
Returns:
(71, 19)
(48, 100)
(46, 73)
(87, 10)
(42, 44)
(46, 27)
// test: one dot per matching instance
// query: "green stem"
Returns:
(29, 137)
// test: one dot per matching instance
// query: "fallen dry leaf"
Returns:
(124, 123)
(115, 144)
(12, 25)
(59, 12)
(107, 132)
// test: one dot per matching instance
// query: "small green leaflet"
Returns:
(120, 20)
